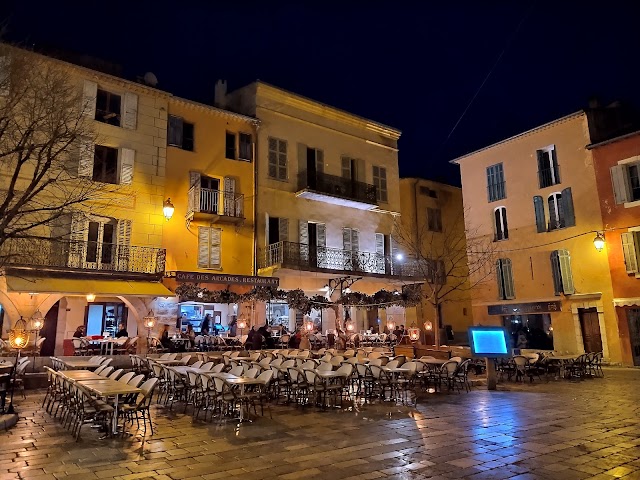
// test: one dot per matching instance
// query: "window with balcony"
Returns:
(380, 182)
(496, 189)
(209, 247)
(277, 159)
(108, 107)
(105, 164)
(548, 170)
(434, 219)
(500, 223)
(626, 182)
(180, 133)
(504, 277)
(100, 241)
(562, 274)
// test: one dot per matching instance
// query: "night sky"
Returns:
(415, 68)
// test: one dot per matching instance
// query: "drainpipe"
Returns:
(255, 203)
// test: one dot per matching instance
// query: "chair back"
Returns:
(346, 369)
(400, 359)
(165, 356)
(173, 356)
(217, 368)
(116, 375)
(412, 366)
(325, 367)
(375, 362)
(287, 364)
(106, 362)
(393, 364)
(449, 368)
(98, 370)
(520, 360)
(266, 376)
(197, 364)
(106, 371)
(237, 371)
(337, 360)
(136, 381)
(185, 360)
(456, 359)
(308, 365)
(349, 353)
(209, 366)
(126, 378)
(252, 373)
(276, 362)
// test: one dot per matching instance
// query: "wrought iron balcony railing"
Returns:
(549, 176)
(300, 256)
(92, 256)
(215, 202)
(337, 186)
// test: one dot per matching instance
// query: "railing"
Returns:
(216, 202)
(497, 191)
(337, 186)
(549, 176)
(67, 254)
(310, 257)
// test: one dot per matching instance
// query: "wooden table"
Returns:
(80, 375)
(223, 375)
(166, 362)
(107, 387)
(80, 363)
(242, 382)
(184, 370)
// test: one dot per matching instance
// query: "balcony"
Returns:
(336, 190)
(549, 176)
(46, 254)
(299, 256)
(214, 206)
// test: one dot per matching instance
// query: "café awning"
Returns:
(72, 286)
(626, 302)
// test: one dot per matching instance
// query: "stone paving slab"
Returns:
(546, 430)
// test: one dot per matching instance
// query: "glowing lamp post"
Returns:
(414, 334)
(242, 323)
(168, 209)
(308, 324)
(391, 324)
(350, 327)
(149, 322)
(599, 242)
(18, 339)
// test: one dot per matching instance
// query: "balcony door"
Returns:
(209, 194)
(101, 241)
(315, 165)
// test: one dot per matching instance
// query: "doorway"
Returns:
(100, 245)
(590, 326)
(101, 317)
(633, 317)
(49, 330)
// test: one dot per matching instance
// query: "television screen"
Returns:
(488, 341)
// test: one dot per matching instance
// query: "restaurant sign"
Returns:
(203, 277)
(524, 308)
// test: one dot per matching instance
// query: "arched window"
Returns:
(556, 211)
(500, 223)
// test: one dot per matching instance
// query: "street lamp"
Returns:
(37, 322)
(149, 322)
(18, 339)
(391, 325)
(308, 324)
(168, 209)
(598, 242)
(242, 323)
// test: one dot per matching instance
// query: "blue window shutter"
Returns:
(541, 167)
(497, 224)
(556, 168)
(565, 271)
(567, 208)
(507, 275)
(538, 206)
(555, 271)
(499, 279)
(505, 233)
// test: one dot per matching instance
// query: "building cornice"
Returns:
(213, 110)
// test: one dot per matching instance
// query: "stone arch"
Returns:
(10, 310)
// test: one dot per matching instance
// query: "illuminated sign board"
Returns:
(488, 341)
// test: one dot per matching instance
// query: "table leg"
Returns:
(114, 422)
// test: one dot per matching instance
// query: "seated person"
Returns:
(79, 333)
(122, 331)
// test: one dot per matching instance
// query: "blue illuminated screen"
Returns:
(488, 341)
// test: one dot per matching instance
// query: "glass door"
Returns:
(100, 245)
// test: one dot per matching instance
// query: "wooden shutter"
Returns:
(89, 95)
(127, 157)
(355, 240)
(174, 135)
(130, 111)
(78, 234)
(380, 260)
(303, 228)
(360, 170)
(266, 229)
(496, 223)
(621, 187)
(123, 241)
(124, 232)
(321, 242)
(555, 270)
(538, 206)
(203, 247)
(554, 165)
(319, 161)
(346, 239)
(346, 167)
(215, 247)
(230, 197)
(272, 168)
(630, 251)
(283, 160)
(565, 272)
(5, 75)
(283, 229)
(507, 275)
(86, 155)
(567, 208)
(499, 279)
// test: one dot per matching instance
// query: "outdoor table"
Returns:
(79, 363)
(562, 358)
(242, 382)
(80, 375)
(433, 362)
(330, 374)
(107, 387)
(183, 370)
(222, 375)
(396, 370)
(166, 361)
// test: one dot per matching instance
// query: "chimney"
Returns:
(220, 95)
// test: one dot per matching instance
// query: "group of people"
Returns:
(122, 331)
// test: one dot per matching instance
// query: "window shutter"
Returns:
(283, 160)
(5, 75)
(360, 170)
(272, 171)
(346, 239)
(283, 226)
(507, 275)
(130, 109)
(86, 154)
(303, 228)
(505, 225)
(380, 243)
(554, 162)
(321, 235)
(215, 235)
(302, 160)
(203, 247)
(78, 235)
(174, 135)
(567, 207)
(194, 178)
(230, 197)
(123, 242)
(620, 179)
(541, 168)
(319, 161)
(565, 272)
(555, 270)
(127, 157)
(346, 167)
(89, 94)
(500, 279)
(355, 240)
(496, 223)
(124, 232)
(266, 229)
(629, 250)
(538, 206)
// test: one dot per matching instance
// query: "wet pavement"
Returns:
(546, 430)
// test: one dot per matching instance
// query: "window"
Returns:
(561, 270)
(277, 230)
(246, 147)
(180, 133)
(556, 212)
(428, 192)
(209, 240)
(105, 165)
(230, 146)
(350, 239)
(500, 223)
(100, 242)
(635, 182)
(630, 251)
(435, 273)
(548, 170)
(380, 182)
(277, 159)
(496, 188)
(504, 276)
(434, 219)
(626, 182)
(561, 213)
(108, 107)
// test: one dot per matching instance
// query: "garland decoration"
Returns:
(410, 296)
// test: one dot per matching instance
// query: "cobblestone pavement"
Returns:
(560, 430)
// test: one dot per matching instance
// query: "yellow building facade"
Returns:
(532, 195)
(433, 219)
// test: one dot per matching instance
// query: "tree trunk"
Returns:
(436, 326)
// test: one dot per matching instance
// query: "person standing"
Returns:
(206, 325)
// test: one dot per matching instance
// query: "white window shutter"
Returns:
(89, 95)
(346, 239)
(620, 179)
(500, 279)
(203, 247)
(130, 111)
(124, 232)
(380, 243)
(123, 242)
(230, 196)
(283, 226)
(346, 167)
(565, 271)
(86, 155)
(215, 260)
(355, 240)
(78, 235)
(127, 157)
(321, 235)
(629, 250)
(303, 228)
(5, 75)
(507, 275)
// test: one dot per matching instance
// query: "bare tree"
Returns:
(43, 124)
(450, 261)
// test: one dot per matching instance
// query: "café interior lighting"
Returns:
(391, 324)
(91, 297)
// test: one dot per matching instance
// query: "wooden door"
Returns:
(590, 329)
(633, 316)
(49, 331)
